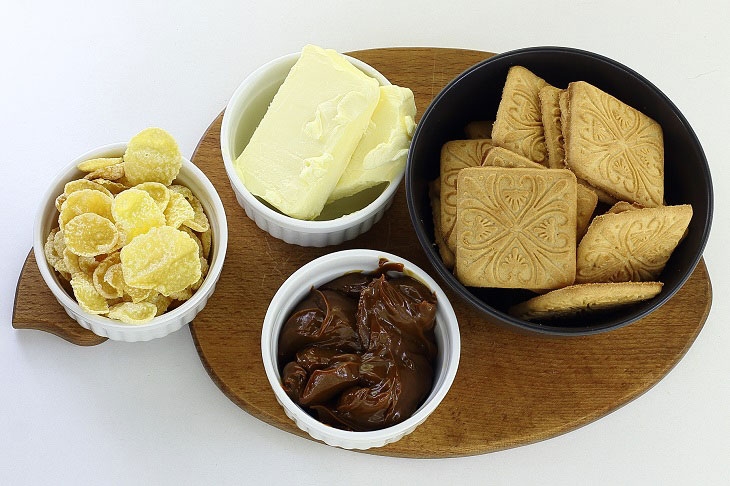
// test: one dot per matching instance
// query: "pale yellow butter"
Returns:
(381, 154)
(306, 139)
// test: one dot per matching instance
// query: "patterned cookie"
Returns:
(564, 115)
(586, 204)
(516, 228)
(622, 206)
(457, 155)
(479, 129)
(632, 245)
(434, 194)
(550, 112)
(578, 299)
(518, 125)
(501, 157)
(614, 147)
(587, 199)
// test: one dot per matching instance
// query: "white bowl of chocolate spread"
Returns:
(360, 346)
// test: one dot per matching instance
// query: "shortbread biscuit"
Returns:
(587, 199)
(564, 115)
(632, 245)
(516, 228)
(501, 157)
(586, 204)
(479, 129)
(622, 206)
(583, 298)
(518, 124)
(614, 147)
(434, 194)
(550, 112)
(457, 155)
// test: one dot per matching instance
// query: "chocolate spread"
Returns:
(358, 352)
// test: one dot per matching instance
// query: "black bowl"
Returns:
(475, 95)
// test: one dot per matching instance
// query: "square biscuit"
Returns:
(501, 157)
(518, 124)
(457, 155)
(585, 298)
(622, 206)
(564, 115)
(586, 205)
(550, 112)
(614, 147)
(516, 228)
(631, 246)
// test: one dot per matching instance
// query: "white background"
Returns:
(75, 75)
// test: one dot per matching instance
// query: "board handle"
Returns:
(32, 310)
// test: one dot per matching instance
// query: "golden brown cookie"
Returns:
(632, 245)
(516, 228)
(614, 147)
(586, 204)
(479, 129)
(550, 112)
(564, 115)
(456, 155)
(518, 124)
(578, 299)
(622, 206)
(434, 194)
(501, 157)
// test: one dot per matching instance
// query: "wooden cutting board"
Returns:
(511, 388)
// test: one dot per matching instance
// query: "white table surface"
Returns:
(75, 75)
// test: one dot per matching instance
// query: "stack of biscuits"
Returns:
(515, 201)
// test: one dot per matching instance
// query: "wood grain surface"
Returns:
(511, 388)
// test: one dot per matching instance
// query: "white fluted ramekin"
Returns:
(321, 271)
(243, 113)
(47, 218)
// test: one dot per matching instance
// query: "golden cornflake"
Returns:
(136, 212)
(152, 156)
(86, 295)
(133, 313)
(90, 234)
(164, 259)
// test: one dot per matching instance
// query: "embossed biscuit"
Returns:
(516, 228)
(550, 112)
(457, 155)
(564, 116)
(614, 147)
(603, 196)
(586, 197)
(518, 124)
(501, 157)
(586, 204)
(434, 194)
(479, 129)
(632, 245)
(622, 206)
(583, 298)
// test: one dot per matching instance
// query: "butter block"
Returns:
(306, 139)
(381, 154)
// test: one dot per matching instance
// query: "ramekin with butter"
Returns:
(315, 146)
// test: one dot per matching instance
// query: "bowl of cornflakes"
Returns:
(131, 238)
